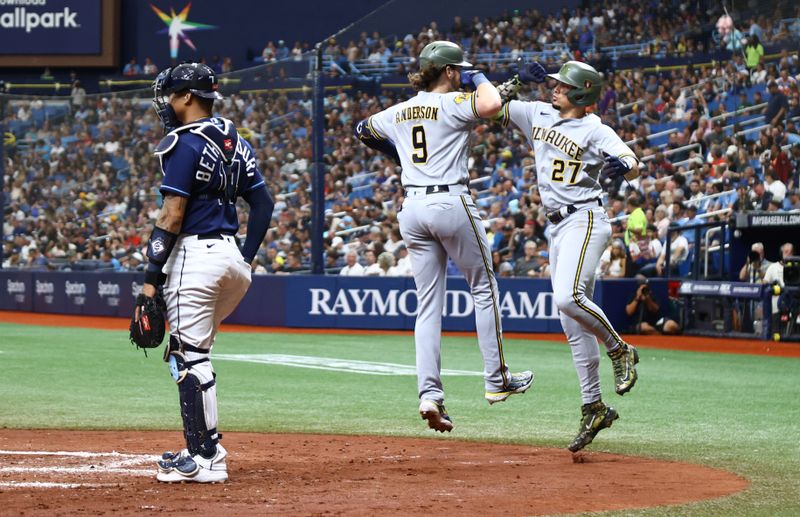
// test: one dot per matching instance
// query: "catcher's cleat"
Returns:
(519, 383)
(194, 469)
(169, 458)
(624, 360)
(436, 415)
(594, 418)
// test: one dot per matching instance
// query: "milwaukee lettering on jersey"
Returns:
(557, 140)
(417, 113)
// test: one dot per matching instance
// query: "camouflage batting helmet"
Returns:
(438, 54)
(584, 79)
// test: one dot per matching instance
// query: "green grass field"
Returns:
(735, 412)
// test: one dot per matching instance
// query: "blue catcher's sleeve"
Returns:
(178, 165)
(370, 138)
(261, 206)
(254, 191)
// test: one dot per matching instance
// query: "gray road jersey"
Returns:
(568, 152)
(431, 132)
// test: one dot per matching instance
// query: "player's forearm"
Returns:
(633, 173)
(261, 206)
(162, 240)
(487, 100)
(172, 211)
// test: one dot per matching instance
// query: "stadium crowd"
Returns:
(81, 185)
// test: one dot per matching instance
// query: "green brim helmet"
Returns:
(439, 54)
(586, 82)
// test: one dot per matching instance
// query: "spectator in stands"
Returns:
(785, 82)
(755, 266)
(759, 197)
(645, 250)
(754, 52)
(775, 186)
(530, 264)
(281, 50)
(111, 262)
(780, 164)
(679, 252)
(792, 201)
(373, 268)
(78, 94)
(613, 261)
(777, 105)
(758, 75)
(645, 313)
(505, 269)
(268, 53)
(134, 262)
(636, 225)
(132, 68)
(386, 262)
(403, 266)
(149, 67)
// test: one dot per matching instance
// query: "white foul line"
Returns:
(333, 364)
(43, 484)
(110, 463)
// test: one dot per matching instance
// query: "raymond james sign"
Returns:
(50, 27)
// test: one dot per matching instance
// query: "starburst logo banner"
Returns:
(178, 28)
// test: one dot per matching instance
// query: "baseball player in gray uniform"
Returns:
(429, 136)
(573, 149)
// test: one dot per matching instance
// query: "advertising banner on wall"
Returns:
(524, 305)
(50, 27)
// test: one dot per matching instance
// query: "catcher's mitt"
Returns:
(148, 330)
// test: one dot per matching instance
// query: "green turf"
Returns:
(736, 412)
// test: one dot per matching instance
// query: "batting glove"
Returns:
(473, 77)
(613, 167)
(531, 72)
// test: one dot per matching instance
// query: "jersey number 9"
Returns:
(420, 154)
(559, 166)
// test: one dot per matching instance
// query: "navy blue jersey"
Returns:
(211, 165)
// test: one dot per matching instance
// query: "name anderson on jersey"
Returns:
(557, 140)
(417, 113)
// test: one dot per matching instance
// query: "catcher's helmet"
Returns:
(438, 54)
(198, 78)
(585, 80)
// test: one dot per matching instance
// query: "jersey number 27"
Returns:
(559, 166)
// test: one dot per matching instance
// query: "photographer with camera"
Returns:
(756, 266)
(774, 273)
(645, 312)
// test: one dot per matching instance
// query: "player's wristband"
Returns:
(479, 79)
(160, 246)
(154, 276)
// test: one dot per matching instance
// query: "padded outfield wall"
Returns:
(309, 301)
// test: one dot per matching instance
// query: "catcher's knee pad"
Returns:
(198, 396)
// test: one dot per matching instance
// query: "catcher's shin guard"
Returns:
(198, 397)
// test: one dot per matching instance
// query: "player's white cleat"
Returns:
(436, 415)
(195, 469)
(519, 383)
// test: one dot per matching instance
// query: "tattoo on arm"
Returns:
(172, 211)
